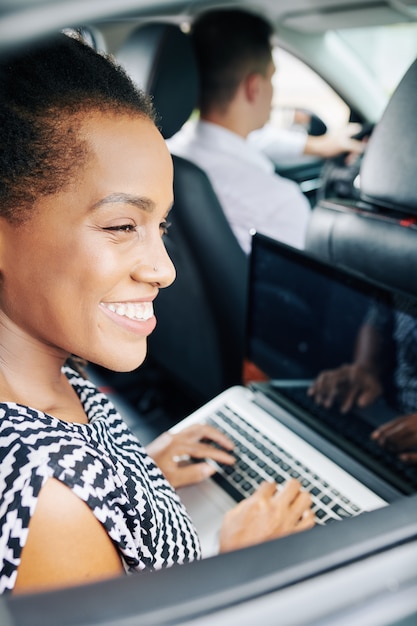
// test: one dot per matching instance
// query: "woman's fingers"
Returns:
(200, 450)
(289, 492)
(297, 501)
(289, 498)
(193, 473)
(198, 432)
(306, 521)
(197, 441)
(266, 514)
(174, 453)
(267, 489)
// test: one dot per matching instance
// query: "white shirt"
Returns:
(253, 197)
(279, 144)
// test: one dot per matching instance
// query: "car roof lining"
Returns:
(21, 22)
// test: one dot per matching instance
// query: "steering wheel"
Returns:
(338, 177)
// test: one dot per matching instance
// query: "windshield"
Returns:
(363, 67)
(387, 51)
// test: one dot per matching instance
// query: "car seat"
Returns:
(376, 233)
(201, 317)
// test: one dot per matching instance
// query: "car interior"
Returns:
(366, 234)
(364, 218)
(156, 55)
(159, 56)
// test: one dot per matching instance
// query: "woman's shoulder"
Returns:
(22, 423)
(36, 443)
(66, 544)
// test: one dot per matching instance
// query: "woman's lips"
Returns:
(137, 317)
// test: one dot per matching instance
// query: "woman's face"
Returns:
(81, 275)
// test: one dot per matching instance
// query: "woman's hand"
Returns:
(175, 453)
(399, 436)
(346, 386)
(267, 514)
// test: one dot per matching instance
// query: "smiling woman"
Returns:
(104, 247)
(85, 191)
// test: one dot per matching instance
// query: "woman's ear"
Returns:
(4, 229)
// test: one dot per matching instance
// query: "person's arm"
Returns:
(368, 348)
(332, 144)
(66, 544)
(281, 144)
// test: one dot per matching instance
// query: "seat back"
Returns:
(377, 233)
(201, 317)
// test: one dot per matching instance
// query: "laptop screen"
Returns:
(330, 340)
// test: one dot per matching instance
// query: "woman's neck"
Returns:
(31, 374)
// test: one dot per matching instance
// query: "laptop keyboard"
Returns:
(259, 458)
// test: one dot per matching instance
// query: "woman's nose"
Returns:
(164, 271)
(157, 268)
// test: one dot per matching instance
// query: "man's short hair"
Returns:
(230, 45)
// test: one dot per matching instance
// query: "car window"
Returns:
(296, 85)
(387, 51)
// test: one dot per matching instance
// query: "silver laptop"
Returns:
(303, 318)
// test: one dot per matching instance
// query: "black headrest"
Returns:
(388, 171)
(160, 59)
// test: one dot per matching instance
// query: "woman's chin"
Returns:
(122, 363)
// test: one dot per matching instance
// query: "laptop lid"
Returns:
(306, 317)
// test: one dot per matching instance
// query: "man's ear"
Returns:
(252, 85)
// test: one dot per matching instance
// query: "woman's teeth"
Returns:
(133, 310)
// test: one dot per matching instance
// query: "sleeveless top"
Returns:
(104, 464)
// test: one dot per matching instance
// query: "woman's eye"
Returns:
(164, 227)
(131, 228)
(122, 228)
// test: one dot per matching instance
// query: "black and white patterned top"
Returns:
(103, 464)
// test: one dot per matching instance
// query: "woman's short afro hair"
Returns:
(44, 92)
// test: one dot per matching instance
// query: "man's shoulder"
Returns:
(195, 146)
(184, 136)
